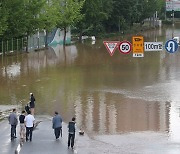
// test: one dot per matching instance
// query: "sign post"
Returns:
(138, 46)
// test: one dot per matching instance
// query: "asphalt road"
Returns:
(43, 141)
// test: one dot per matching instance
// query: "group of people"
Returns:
(27, 122)
(57, 126)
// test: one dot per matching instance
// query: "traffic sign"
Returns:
(125, 47)
(111, 46)
(171, 46)
(153, 46)
(138, 46)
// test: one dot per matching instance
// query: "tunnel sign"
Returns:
(111, 46)
(153, 46)
(125, 47)
(171, 46)
(138, 46)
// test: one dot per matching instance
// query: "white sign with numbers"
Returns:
(153, 46)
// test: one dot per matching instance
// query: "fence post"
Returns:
(7, 45)
(22, 43)
(2, 48)
(17, 44)
(12, 44)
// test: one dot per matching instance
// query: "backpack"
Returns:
(27, 108)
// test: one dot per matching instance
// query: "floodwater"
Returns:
(121, 102)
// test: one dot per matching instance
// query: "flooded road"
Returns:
(117, 100)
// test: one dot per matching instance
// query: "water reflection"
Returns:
(89, 113)
(174, 122)
(11, 70)
(125, 115)
(112, 114)
(102, 114)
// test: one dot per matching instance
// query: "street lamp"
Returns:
(172, 24)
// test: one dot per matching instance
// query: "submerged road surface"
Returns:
(44, 142)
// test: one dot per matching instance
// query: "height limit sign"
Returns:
(111, 46)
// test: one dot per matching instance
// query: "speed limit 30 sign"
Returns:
(125, 47)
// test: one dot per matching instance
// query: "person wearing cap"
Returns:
(57, 125)
(32, 103)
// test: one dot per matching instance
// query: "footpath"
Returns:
(43, 140)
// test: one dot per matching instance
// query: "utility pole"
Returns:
(173, 18)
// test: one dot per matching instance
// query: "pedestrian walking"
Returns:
(22, 125)
(13, 121)
(57, 125)
(71, 130)
(29, 123)
(32, 103)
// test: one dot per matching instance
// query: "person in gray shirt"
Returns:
(13, 121)
(57, 125)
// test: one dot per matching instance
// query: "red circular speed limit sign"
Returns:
(125, 47)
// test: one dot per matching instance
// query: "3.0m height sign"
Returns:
(125, 47)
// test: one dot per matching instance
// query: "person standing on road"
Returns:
(57, 125)
(22, 125)
(29, 123)
(13, 121)
(72, 130)
(32, 103)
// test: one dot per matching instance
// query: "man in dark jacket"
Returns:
(13, 121)
(72, 130)
(57, 125)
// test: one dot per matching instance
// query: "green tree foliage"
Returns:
(89, 17)
(22, 17)
(3, 17)
(115, 15)
(49, 16)
(69, 14)
(95, 14)
(32, 9)
(14, 19)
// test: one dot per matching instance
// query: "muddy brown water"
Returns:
(108, 95)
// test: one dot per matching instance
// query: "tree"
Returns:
(14, 19)
(69, 14)
(32, 22)
(3, 17)
(48, 17)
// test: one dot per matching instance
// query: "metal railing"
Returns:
(14, 44)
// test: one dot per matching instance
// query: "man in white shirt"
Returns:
(29, 122)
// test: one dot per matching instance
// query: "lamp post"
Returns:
(172, 24)
(173, 18)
